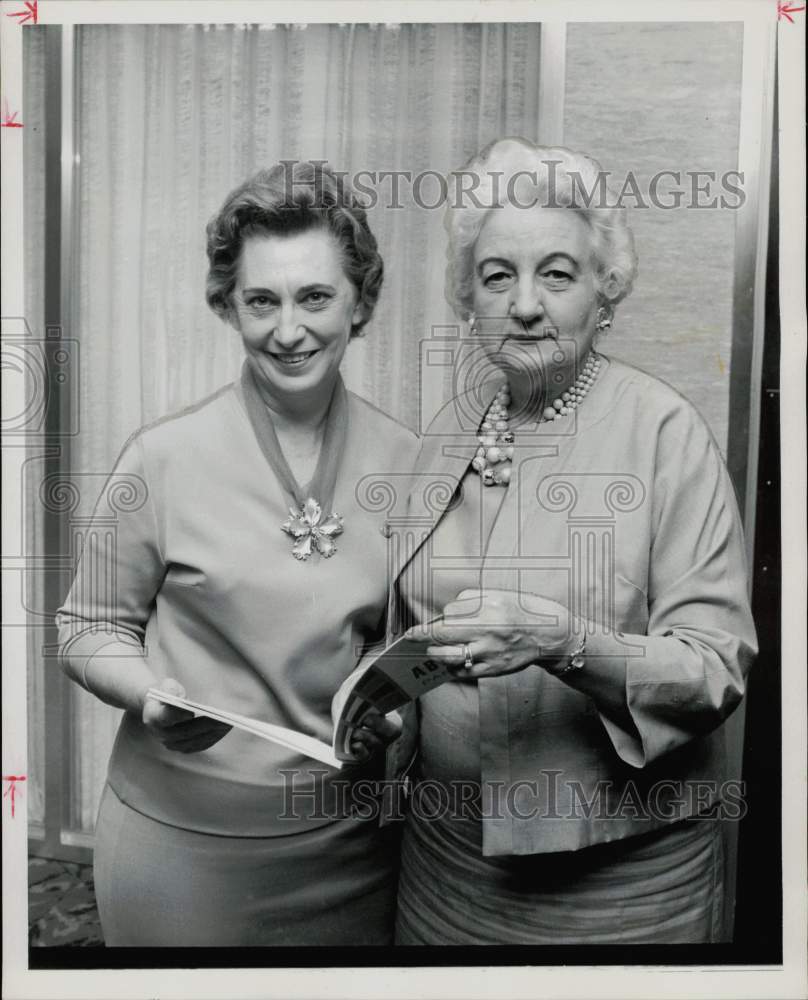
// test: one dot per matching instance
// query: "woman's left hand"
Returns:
(501, 630)
(375, 734)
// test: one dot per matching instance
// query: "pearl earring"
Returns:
(604, 319)
(472, 321)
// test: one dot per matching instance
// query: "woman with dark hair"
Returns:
(246, 574)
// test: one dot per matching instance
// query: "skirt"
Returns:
(663, 887)
(160, 885)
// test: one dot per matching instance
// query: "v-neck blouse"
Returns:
(206, 584)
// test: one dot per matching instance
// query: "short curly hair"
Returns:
(292, 197)
(555, 176)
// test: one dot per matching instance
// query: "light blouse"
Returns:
(186, 563)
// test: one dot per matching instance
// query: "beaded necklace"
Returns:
(495, 452)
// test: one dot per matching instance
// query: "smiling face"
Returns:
(294, 308)
(535, 293)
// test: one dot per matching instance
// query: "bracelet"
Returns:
(575, 662)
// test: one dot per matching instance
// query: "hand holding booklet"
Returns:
(396, 676)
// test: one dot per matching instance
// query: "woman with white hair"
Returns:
(586, 570)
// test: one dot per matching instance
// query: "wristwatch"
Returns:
(575, 662)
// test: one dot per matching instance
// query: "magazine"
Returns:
(388, 681)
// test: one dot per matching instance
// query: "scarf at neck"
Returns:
(308, 523)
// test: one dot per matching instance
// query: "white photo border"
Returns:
(546, 981)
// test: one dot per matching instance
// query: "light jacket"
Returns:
(624, 513)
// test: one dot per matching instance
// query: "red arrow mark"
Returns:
(785, 10)
(11, 791)
(8, 120)
(29, 14)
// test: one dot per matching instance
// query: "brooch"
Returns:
(313, 531)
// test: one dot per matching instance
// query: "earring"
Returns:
(472, 321)
(604, 319)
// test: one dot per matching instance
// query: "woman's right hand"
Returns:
(375, 734)
(177, 728)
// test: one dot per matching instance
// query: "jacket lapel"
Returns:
(446, 452)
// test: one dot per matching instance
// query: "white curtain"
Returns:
(169, 120)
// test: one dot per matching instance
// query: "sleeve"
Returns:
(119, 572)
(688, 673)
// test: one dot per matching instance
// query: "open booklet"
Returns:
(388, 681)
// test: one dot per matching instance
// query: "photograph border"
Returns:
(520, 973)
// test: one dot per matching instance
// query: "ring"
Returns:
(468, 662)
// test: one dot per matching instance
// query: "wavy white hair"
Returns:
(543, 175)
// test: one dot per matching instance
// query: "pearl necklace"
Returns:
(495, 452)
